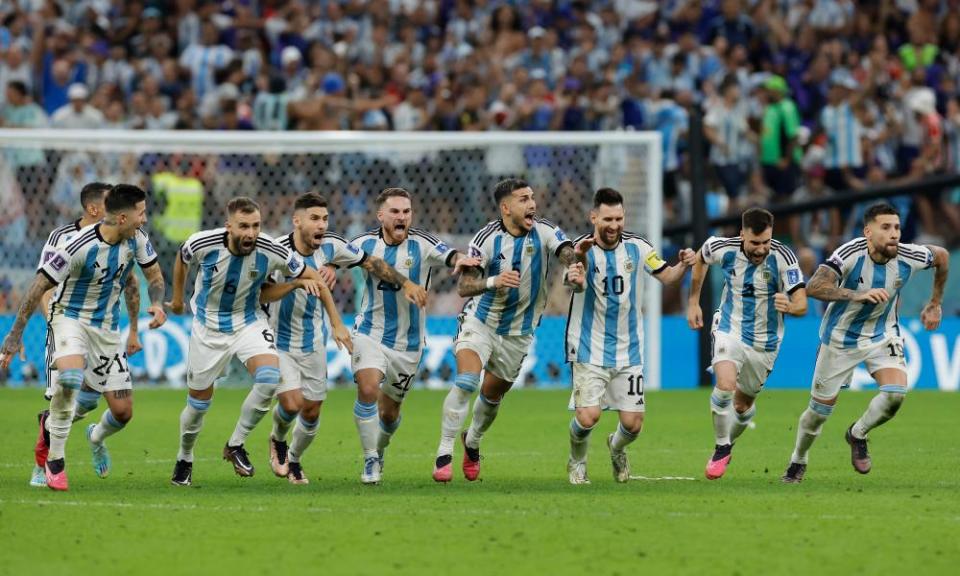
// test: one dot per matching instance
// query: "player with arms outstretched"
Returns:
(862, 281)
(604, 338)
(762, 282)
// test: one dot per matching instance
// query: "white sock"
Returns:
(365, 417)
(108, 426)
(303, 434)
(61, 411)
(882, 408)
(387, 430)
(484, 413)
(579, 440)
(622, 438)
(811, 422)
(720, 406)
(741, 422)
(455, 407)
(255, 407)
(282, 421)
(191, 422)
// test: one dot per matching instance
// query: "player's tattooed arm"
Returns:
(12, 344)
(131, 296)
(694, 312)
(933, 311)
(568, 255)
(824, 286)
(471, 283)
(156, 289)
(415, 293)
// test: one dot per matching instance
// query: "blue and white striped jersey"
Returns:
(605, 325)
(848, 324)
(91, 274)
(226, 295)
(514, 311)
(385, 315)
(844, 132)
(299, 319)
(58, 237)
(746, 304)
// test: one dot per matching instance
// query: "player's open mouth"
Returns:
(528, 218)
(400, 227)
(318, 237)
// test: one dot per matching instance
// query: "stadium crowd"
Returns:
(800, 98)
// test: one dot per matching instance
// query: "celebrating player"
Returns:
(762, 282)
(91, 272)
(388, 334)
(497, 324)
(604, 338)
(862, 281)
(91, 201)
(233, 263)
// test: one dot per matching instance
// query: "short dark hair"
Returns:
(123, 197)
(310, 200)
(608, 197)
(391, 193)
(93, 192)
(506, 187)
(879, 209)
(242, 204)
(18, 86)
(756, 220)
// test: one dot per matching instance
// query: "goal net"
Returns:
(191, 175)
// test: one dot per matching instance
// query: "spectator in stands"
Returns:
(844, 154)
(779, 152)
(725, 126)
(78, 113)
(14, 66)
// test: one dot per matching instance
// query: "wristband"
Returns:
(492, 283)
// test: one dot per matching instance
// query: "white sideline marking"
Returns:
(154, 506)
(662, 478)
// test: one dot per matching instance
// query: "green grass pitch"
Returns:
(522, 518)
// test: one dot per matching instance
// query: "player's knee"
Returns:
(122, 415)
(633, 424)
(310, 411)
(588, 418)
(290, 403)
(742, 404)
(389, 414)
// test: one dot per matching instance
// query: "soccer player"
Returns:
(233, 263)
(388, 334)
(91, 272)
(91, 201)
(762, 282)
(302, 332)
(496, 327)
(604, 338)
(862, 282)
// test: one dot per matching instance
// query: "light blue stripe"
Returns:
(285, 321)
(493, 269)
(390, 324)
(821, 409)
(586, 317)
(253, 296)
(773, 317)
(414, 337)
(391, 427)
(364, 410)
(720, 402)
(266, 375)
(536, 277)
(513, 294)
(855, 331)
(467, 381)
(309, 424)
(309, 326)
(112, 420)
(88, 399)
(624, 432)
(746, 416)
(284, 415)
(612, 312)
(209, 261)
(225, 311)
(904, 271)
(369, 296)
(634, 352)
(837, 309)
(578, 430)
(82, 285)
(71, 378)
(893, 389)
(198, 405)
(726, 309)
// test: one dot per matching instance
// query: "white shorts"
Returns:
(502, 356)
(210, 351)
(618, 389)
(398, 368)
(753, 366)
(105, 359)
(304, 371)
(835, 366)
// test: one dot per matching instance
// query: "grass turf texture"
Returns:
(523, 517)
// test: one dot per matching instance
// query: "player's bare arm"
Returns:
(933, 311)
(176, 304)
(462, 262)
(824, 286)
(156, 290)
(12, 343)
(795, 304)
(412, 292)
(472, 282)
(674, 274)
(694, 312)
(131, 296)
